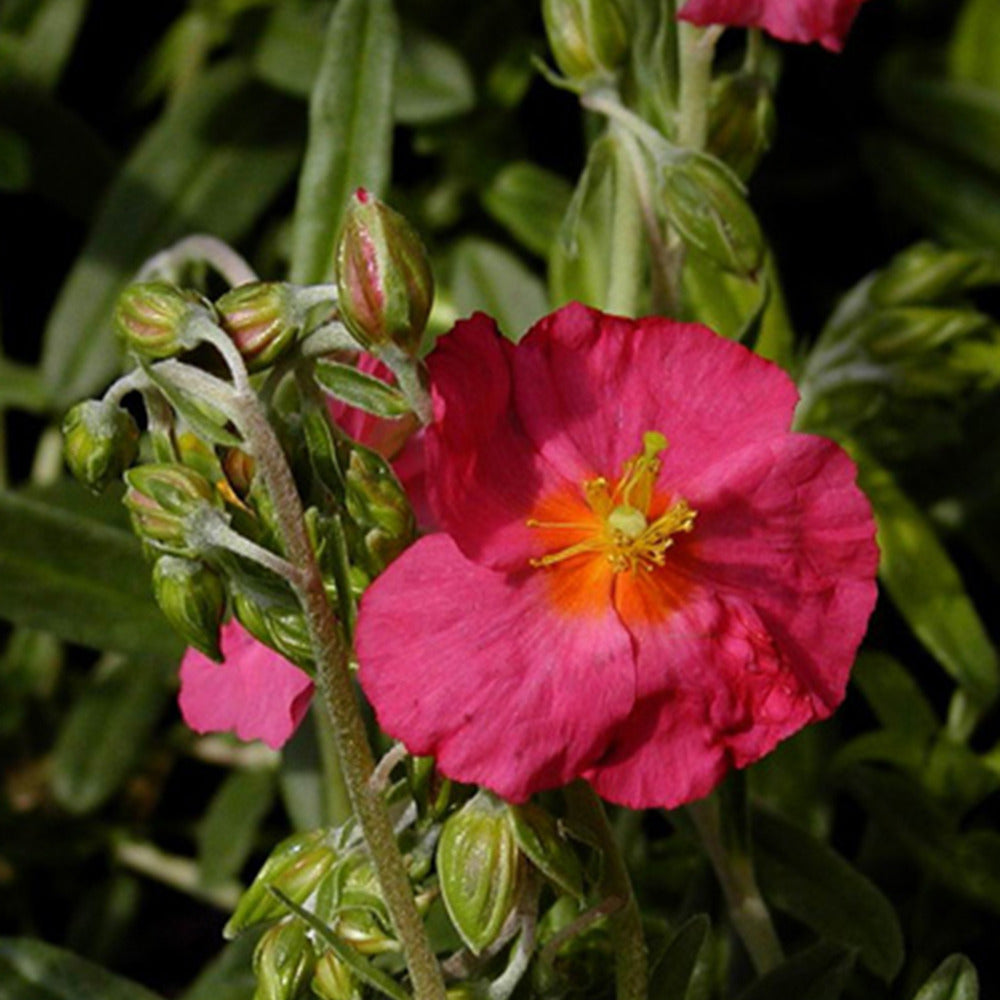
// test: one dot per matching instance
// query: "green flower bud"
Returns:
(384, 280)
(283, 629)
(705, 201)
(587, 37)
(296, 866)
(333, 980)
(379, 506)
(193, 599)
(355, 907)
(283, 962)
(741, 121)
(100, 441)
(477, 864)
(161, 499)
(261, 319)
(151, 318)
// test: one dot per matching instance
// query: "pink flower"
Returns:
(255, 692)
(643, 578)
(823, 21)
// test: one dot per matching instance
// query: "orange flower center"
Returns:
(626, 525)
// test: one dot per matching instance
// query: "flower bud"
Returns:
(333, 980)
(100, 441)
(261, 319)
(283, 962)
(238, 467)
(151, 318)
(296, 866)
(477, 863)
(283, 629)
(384, 280)
(741, 121)
(161, 498)
(379, 506)
(193, 599)
(705, 202)
(541, 841)
(587, 37)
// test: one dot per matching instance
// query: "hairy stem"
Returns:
(697, 51)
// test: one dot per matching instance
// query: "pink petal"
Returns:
(484, 475)
(476, 667)
(823, 21)
(782, 563)
(587, 386)
(255, 692)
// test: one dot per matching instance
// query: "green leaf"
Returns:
(79, 578)
(894, 696)
(15, 161)
(927, 588)
(543, 843)
(673, 973)
(529, 202)
(230, 975)
(213, 163)
(486, 276)
(33, 970)
(954, 979)
(433, 81)
(974, 52)
(290, 48)
(365, 392)
(351, 957)
(806, 879)
(21, 387)
(350, 130)
(42, 50)
(107, 730)
(228, 831)
(819, 973)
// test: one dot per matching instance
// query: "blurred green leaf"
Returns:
(33, 970)
(894, 696)
(672, 975)
(350, 130)
(974, 51)
(228, 831)
(805, 878)
(818, 973)
(42, 49)
(954, 979)
(433, 81)
(360, 390)
(484, 276)
(79, 578)
(21, 387)
(213, 163)
(107, 729)
(529, 202)
(15, 161)
(926, 587)
(290, 48)
(230, 975)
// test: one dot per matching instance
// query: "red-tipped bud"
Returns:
(262, 320)
(161, 498)
(151, 318)
(384, 279)
(100, 441)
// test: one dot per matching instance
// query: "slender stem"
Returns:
(631, 959)
(753, 58)
(222, 257)
(337, 692)
(734, 870)
(207, 526)
(697, 51)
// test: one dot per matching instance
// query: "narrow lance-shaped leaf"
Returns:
(361, 390)
(350, 130)
(213, 163)
(954, 979)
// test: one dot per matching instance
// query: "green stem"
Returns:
(734, 870)
(697, 51)
(337, 692)
(631, 959)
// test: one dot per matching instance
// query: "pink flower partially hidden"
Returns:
(823, 21)
(643, 577)
(255, 693)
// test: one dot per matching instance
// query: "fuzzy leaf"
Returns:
(357, 389)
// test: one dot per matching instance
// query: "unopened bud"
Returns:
(379, 506)
(357, 912)
(296, 866)
(261, 319)
(741, 121)
(151, 318)
(587, 37)
(161, 499)
(193, 599)
(100, 441)
(384, 280)
(477, 864)
(333, 980)
(283, 962)
(705, 201)
(239, 468)
(282, 629)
